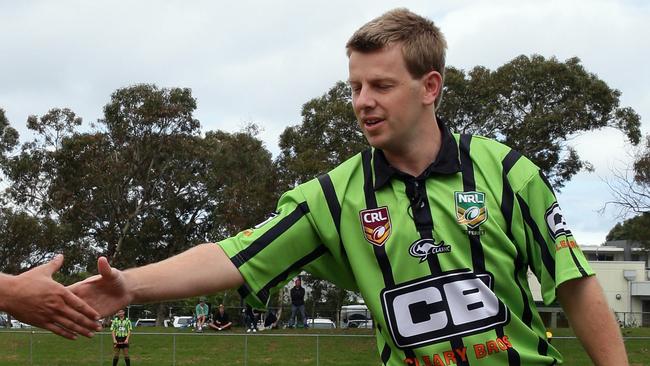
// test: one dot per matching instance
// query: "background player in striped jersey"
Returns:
(436, 230)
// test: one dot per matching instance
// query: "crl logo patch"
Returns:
(425, 247)
(376, 225)
(470, 208)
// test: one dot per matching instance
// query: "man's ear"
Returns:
(432, 87)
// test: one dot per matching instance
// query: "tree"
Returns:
(536, 105)
(8, 136)
(635, 229)
(327, 136)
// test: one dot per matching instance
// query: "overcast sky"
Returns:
(259, 61)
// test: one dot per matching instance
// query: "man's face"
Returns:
(297, 283)
(389, 103)
(120, 314)
(221, 309)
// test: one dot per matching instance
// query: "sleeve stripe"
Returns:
(264, 293)
(547, 258)
(385, 354)
(577, 263)
(268, 237)
(332, 202)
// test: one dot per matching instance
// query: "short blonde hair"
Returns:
(423, 44)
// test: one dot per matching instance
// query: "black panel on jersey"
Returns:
(263, 294)
(469, 184)
(385, 354)
(547, 258)
(371, 202)
(268, 237)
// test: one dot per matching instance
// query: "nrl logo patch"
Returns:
(470, 208)
(376, 225)
(425, 247)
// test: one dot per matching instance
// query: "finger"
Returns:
(89, 314)
(56, 329)
(71, 325)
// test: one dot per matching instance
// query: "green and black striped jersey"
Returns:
(441, 259)
(121, 327)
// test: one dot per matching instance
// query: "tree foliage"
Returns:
(536, 105)
(635, 229)
(327, 135)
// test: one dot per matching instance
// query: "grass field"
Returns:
(278, 347)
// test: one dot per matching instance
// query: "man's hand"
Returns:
(106, 292)
(35, 298)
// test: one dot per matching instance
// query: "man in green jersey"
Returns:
(121, 331)
(436, 230)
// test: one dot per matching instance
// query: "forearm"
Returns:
(592, 321)
(200, 270)
(5, 288)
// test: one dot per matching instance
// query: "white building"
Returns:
(623, 270)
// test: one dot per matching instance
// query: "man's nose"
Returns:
(364, 99)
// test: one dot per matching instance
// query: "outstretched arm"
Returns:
(200, 270)
(34, 297)
(593, 321)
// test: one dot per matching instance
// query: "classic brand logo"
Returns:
(376, 225)
(470, 208)
(425, 247)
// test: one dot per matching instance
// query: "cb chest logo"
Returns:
(436, 309)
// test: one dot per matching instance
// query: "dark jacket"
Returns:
(297, 296)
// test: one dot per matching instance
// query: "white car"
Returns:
(145, 322)
(180, 322)
(15, 324)
(321, 323)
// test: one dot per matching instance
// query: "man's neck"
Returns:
(416, 157)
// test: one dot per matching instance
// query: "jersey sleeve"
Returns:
(294, 238)
(553, 254)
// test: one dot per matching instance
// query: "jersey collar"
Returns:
(446, 162)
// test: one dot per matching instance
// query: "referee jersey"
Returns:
(441, 259)
(121, 327)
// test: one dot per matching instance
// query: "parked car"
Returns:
(180, 322)
(355, 316)
(145, 322)
(321, 323)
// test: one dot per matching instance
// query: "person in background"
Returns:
(121, 332)
(221, 320)
(297, 304)
(202, 311)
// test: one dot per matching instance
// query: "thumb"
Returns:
(53, 265)
(104, 268)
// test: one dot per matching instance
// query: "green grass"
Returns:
(271, 348)
(277, 347)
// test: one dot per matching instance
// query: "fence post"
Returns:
(101, 349)
(245, 349)
(317, 350)
(31, 347)
(174, 350)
